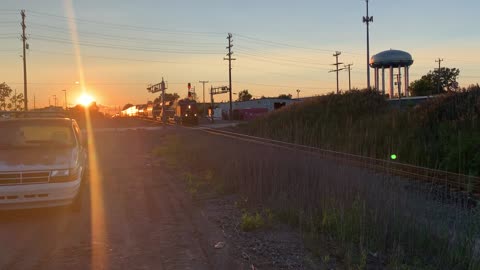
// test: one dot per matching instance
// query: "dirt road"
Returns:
(135, 215)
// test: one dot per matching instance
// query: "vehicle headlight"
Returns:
(186, 114)
(67, 175)
(60, 173)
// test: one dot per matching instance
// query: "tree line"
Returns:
(10, 100)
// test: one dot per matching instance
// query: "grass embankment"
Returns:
(443, 133)
(353, 215)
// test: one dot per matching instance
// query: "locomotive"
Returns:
(182, 112)
(185, 112)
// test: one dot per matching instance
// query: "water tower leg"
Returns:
(383, 81)
(406, 84)
(399, 82)
(391, 82)
(375, 72)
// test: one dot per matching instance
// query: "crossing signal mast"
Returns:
(160, 87)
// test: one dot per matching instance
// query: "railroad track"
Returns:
(452, 182)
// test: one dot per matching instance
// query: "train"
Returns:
(180, 111)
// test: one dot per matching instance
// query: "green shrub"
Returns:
(442, 133)
(251, 222)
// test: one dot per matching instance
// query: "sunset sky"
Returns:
(280, 46)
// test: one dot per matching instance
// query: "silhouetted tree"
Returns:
(16, 102)
(126, 106)
(436, 82)
(5, 92)
(244, 95)
(285, 96)
(168, 97)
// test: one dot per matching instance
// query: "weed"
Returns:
(251, 222)
(326, 259)
(349, 206)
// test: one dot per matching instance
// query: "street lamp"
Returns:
(54, 100)
(66, 104)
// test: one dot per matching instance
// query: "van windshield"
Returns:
(18, 134)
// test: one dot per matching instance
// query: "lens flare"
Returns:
(99, 258)
(85, 99)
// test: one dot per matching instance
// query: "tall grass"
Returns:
(362, 211)
(443, 133)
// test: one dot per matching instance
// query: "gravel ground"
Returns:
(278, 247)
(135, 215)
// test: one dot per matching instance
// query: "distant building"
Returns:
(270, 104)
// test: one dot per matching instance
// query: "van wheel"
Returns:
(77, 203)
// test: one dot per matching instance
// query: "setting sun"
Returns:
(85, 99)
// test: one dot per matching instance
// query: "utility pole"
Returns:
(55, 100)
(439, 61)
(336, 54)
(24, 39)
(298, 93)
(203, 82)
(368, 19)
(34, 107)
(230, 59)
(349, 69)
(66, 104)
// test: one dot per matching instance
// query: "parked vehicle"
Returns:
(42, 163)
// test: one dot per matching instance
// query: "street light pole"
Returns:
(66, 104)
(203, 82)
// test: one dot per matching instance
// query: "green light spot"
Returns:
(393, 156)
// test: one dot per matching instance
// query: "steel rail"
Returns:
(453, 181)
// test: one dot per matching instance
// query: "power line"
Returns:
(284, 86)
(116, 45)
(276, 58)
(121, 38)
(123, 26)
(337, 69)
(286, 44)
(126, 48)
(118, 58)
(268, 60)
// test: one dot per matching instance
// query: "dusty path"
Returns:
(135, 216)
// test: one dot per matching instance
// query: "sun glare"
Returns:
(85, 100)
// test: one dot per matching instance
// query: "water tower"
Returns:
(391, 60)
